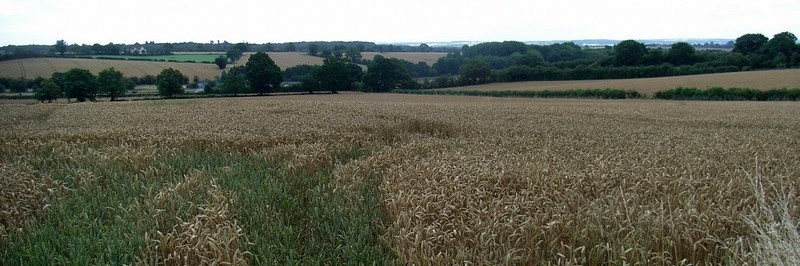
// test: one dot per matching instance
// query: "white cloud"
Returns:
(97, 21)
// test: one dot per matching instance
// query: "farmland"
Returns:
(362, 178)
(287, 59)
(413, 57)
(45, 67)
(179, 57)
(770, 79)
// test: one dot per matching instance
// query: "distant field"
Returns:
(414, 57)
(287, 59)
(290, 59)
(771, 79)
(45, 67)
(180, 57)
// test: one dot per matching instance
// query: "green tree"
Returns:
(531, 58)
(353, 55)
(629, 53)
(61, 47)
(48, 92)
(170, 82)
(80, 84)
(336, 75)
(385, 75)
(681, 54)
(313, 49)
(291, 47)
(749, 43)
(782, 44)
(234, 54)
(112, 82)
(221, 62)
(263, 74)
(236, 80)
(475, 72)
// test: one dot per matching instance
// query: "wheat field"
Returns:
(45, 67)
(400, 179)
(769, 79)
(413, 57)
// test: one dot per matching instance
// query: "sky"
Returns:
(103, 21)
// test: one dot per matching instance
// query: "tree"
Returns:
(530, 58)
(353, 54)
(384, 75)
(80, 84)
(221, 62)
(313, 49)
(61, 47)
(681, 54)
(291, 47)
(170, 82)
(112, 82)
(263, 74)
(629, 53)
(749, 43)
(236, 80)
(782, 44)
(335, 75)
(234, 54)
(49, 91)
(475, 72)
(425, 48)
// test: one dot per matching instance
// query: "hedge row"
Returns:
(731, 94)
(578, 93)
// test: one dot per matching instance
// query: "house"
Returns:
(138, 49)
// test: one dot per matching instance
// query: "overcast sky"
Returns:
(104, 21)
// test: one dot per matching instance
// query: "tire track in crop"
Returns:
(22, 69)
(78, 63)
(137, 67)
(51, 65)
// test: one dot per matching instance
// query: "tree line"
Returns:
(515, 61)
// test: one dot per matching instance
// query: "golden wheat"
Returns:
(467, 180)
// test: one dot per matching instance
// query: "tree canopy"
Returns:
(80, 84)
(221, 62)
(475, 72)
(170, 82)
(681, 54)
(234, 54)
(629, 53)
(336, 75)
(236, 80)
(112, 82)
(263, 74)
(385, 75)
(783, 45)
(61, 47)
(49, 91)
(749, 43)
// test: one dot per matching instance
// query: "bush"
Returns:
(579, 93)
(731, 94)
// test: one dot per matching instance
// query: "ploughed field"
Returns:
(362, 178)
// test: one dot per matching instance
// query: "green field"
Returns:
(193, 58)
